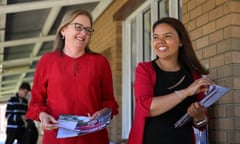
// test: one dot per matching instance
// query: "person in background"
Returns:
(168, 87)
(72, 80)
(15, 114)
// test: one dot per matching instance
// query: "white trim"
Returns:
(126, 82)
(173, 8)
(36, 5)
(139, 37)
(154, 12)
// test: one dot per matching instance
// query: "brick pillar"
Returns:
(214, 27)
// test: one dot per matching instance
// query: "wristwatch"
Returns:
(201, 123)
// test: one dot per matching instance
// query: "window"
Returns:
(163, 8)
(133, 55)
(147, 35)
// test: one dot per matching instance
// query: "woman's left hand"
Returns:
(196, 111)
(47, 121)
(98, 113)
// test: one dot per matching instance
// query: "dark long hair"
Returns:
(187, 57)
(67, 19)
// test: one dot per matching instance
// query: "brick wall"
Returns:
(214, 27)
(107, 40)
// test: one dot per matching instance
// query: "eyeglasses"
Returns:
(79, 27)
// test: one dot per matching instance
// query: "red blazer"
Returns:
(145, 79)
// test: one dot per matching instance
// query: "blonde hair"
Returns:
(67, 19)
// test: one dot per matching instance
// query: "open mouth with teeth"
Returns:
(162, 48)
(80, 38)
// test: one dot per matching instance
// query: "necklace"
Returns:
(177, 84)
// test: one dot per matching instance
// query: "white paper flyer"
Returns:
(214, 93)
(73, 125)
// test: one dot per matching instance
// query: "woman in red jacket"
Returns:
(72, 80)
(168, 87)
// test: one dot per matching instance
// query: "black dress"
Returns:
(160, 129)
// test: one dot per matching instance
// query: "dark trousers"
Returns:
(31, 133)
(13, 134)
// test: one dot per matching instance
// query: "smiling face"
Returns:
(166, 42)
(74, 37)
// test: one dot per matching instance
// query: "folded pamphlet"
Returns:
(215, 92)
(73, 125)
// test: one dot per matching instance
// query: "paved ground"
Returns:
(2, 138)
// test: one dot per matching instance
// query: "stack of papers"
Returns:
(214, 93)
(72, 125)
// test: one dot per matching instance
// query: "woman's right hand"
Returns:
(47, 121)
(199, 85)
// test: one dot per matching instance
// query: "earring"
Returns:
(180, 45)
(63, 37)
